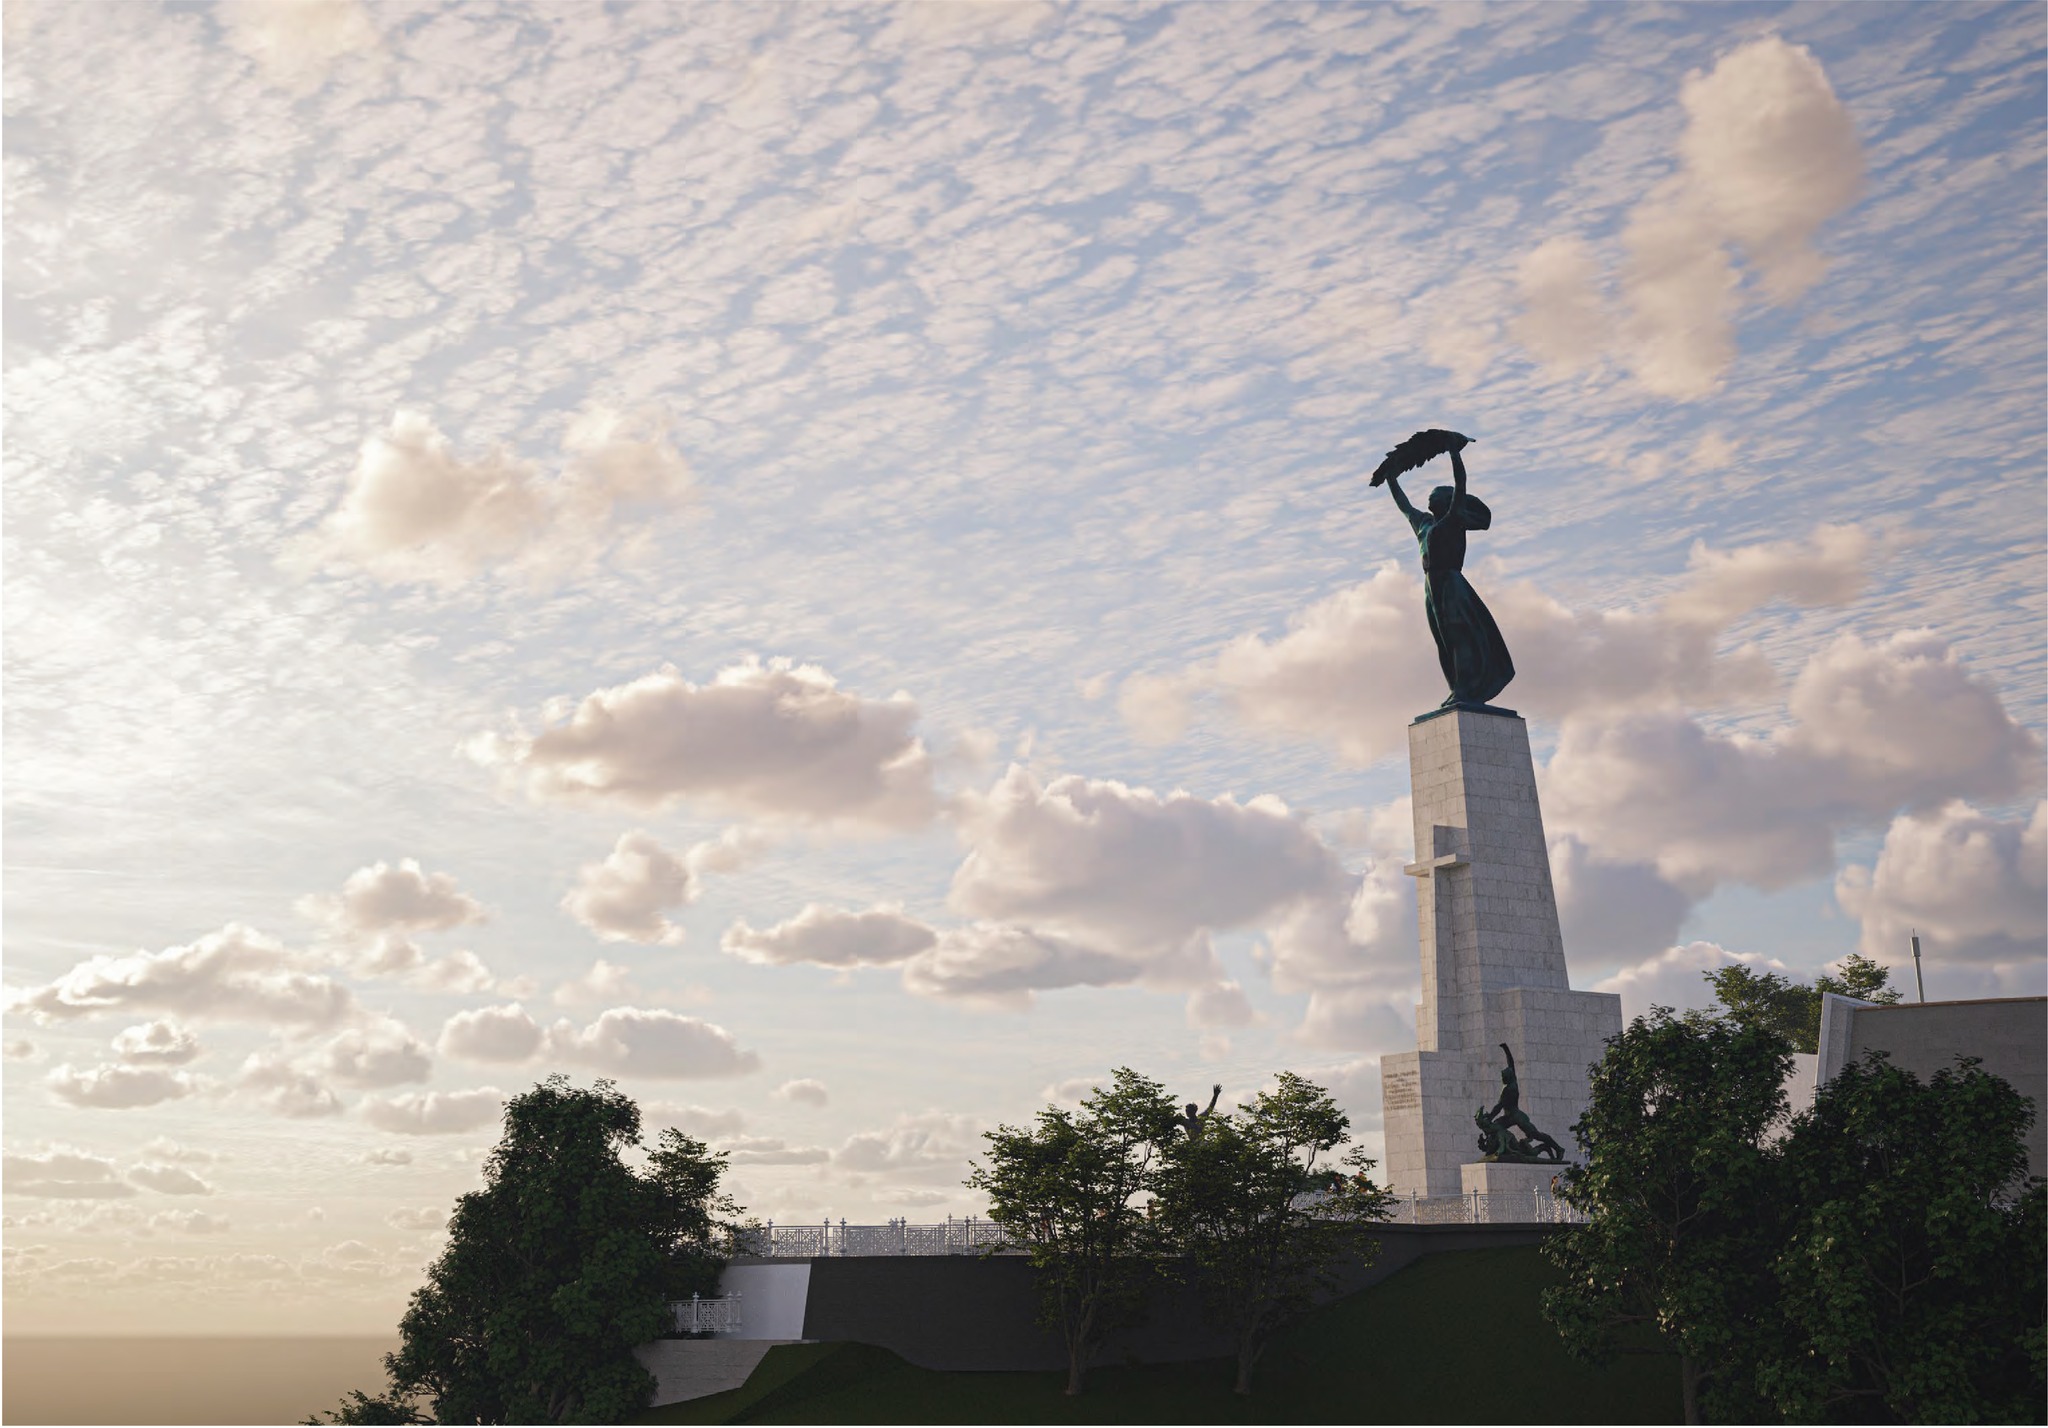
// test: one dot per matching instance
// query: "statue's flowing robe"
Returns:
(1469, 646)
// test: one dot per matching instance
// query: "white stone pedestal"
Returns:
(1493, 966)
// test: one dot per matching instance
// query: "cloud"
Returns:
(804, 1091)
(1132, 871)
(761, 1150)
(284, 1088)
(424, 1217)
(63, 1174)
(159, 1043)
(1772, 154)
(414, 511)
(999, 965)
(20, 1049)
(915, 1145)
(881, 936)
(382, 899)
(491, 1034)
(235, 974)
(381, 1156)
(1767, 156)
(1612, 911)
(1354, 667)
(1676, 977)
(191, 1222)
(434, 1112)
(296, 41)
(385, 1053)
(604, 982)
(112, 1086)
(778, 741)
(460, 973)
(165, 1149)
(1564, 320)
(1220, 1004)
(698, 1121)
(1975, 888)
(622, 898)
(659, 1045)
(1874, 727)
(169, 1180)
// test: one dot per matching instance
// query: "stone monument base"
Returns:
(1499, 1177)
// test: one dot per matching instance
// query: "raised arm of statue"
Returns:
(1458, 483)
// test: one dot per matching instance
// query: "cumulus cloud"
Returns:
(1353, 668)
(165, 1149)
(1220, 1004)
(191, 1222)
(296, 41)
(460, 973)
(235, 974)
(385, 1053)
(914, 1145)
(630, 1041)
(20, 1049)
(157, 1043)
(881, 936)
(775, 741)
(424, 1217)
(623, 898)
(1975, 888)
(1133, 871)
(491, 1034)
(274, 1081)
(114, 1086)
(1564, 320)
(806, 1091)
(1612, 911)
(381, 899)
(434, 1112)
(994, 964)
(604, 982)
(699, 1121)
(1767, 156)
(169, 1180)
(382, 1156)
(656, 1044)
(415, 511)
(766, 1150)
(1874, 727)
(1676, 977)
(63, 1173)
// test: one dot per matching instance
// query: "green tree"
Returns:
(1679, 1185)
(1067, 1188)
(1261, 1215)
(555, 1270)
(1792, 1009)
(1912, 1275)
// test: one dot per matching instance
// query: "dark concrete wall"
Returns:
(2010, 1036)
(961, 1312)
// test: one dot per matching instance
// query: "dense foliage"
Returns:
(1260, 1216)
(1068, 1187)
(555, 1270)
(1792, 1009)
(1876, 1258)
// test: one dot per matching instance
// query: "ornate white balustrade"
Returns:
(1499, 1207)
(894, 1237)
(697, 1315)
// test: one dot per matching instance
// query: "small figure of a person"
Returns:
(1191, 1119)
(1507, 1111)
(1469, 648)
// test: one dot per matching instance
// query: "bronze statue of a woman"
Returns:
(1468, 644)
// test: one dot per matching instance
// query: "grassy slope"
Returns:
(1453, 1338)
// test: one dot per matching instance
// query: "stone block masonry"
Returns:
(1493, 964)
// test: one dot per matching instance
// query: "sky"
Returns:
(815, 561)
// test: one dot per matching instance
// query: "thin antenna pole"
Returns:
(1917, 981)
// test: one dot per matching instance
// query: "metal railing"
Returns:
(697, 1315)
(827, 1240)
(1480, 1207)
